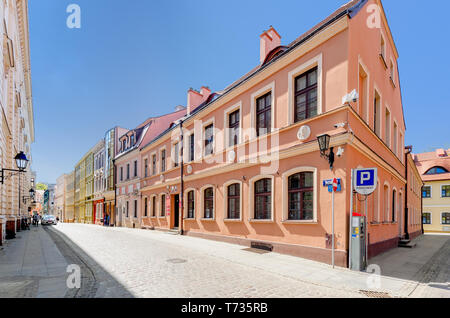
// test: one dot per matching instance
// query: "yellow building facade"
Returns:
(434, 168)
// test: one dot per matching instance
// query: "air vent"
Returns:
(262, 246)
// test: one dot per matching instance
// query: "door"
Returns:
(176, 214)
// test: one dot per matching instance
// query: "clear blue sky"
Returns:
(135, 59)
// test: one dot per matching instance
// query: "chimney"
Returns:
(270, 39)
(440, 153)
(196, 98)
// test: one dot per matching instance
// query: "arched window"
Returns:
(436, 170)
(394, 197)
(145, 207)
(191, 204)
(301, 194)
(208, 203)
(263, 199)
(233, 201)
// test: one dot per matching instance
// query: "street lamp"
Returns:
(21, 161)
(325, 150)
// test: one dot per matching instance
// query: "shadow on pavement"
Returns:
(428, 262)
(96, 282)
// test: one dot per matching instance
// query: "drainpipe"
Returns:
(408, 151)
(113, 213)
(181, 178)
(421, 208)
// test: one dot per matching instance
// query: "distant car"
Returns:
(48, 220)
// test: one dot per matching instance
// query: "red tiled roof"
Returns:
(161, 124)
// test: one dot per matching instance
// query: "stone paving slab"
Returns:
(32, 266)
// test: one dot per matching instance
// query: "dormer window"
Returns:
(124, 144)
(436, 170)
(132, 141)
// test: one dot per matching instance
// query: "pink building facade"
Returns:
(243, 165)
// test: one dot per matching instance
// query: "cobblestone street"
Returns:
(121, 262)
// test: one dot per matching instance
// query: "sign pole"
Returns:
(332, 226)
(366, 234)
(350, 224)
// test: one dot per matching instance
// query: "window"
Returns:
(135, 208)
(233, 125)
(145, 207)
(263, 114)
(306, 95)
(208, 203)
(445, 218)
(301, 194)
(163, 205)
(233, 201)
(376, 110)
(394, 197)
(388, 128)
(176, 154)
(263, 199)
(436, 170)
(128, 171)
(146, 168)
(132, 141)
(209, 140)
(191, 147)
(154, 164)
(386, 203)
(124, 144)
(128, 206)
(135, 168)
(446, 191)
(163, 160)
(395, 144)
(121, 173)
(191, 205)
(426, 192)
(391, 73)
(154, 206)
(363, 91)
(426, 218)
(383, 49)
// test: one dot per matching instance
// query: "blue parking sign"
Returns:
(365, 180)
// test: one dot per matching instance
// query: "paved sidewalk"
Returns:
(32, 266)
(138, 260)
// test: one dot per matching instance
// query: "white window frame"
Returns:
(186, 205)
(431, 191)
(161, 161)
(376, 91)
(396, 205)
(225, 201)
(443, 185)
(388, 141)
(150, 164)
(202, 199)
(159, 204)
(364, 67)
(227, 112)
(210, 121)
(261, 92)
(387, 205)
(187, 146)
(308, 65)
(151, 206)
(440, 220)
(395, 137)
(148, 207)
(285, 191)
(251, 203)
(431, 217)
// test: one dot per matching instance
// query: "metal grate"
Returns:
(375, 294)
(176, 260)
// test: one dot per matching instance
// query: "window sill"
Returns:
(383, 61)
(392, 82)
(261, 221)
(189, 219)
(208, 219)
(375, 223)
(162, 217)
(232, 220)
(299, 222)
